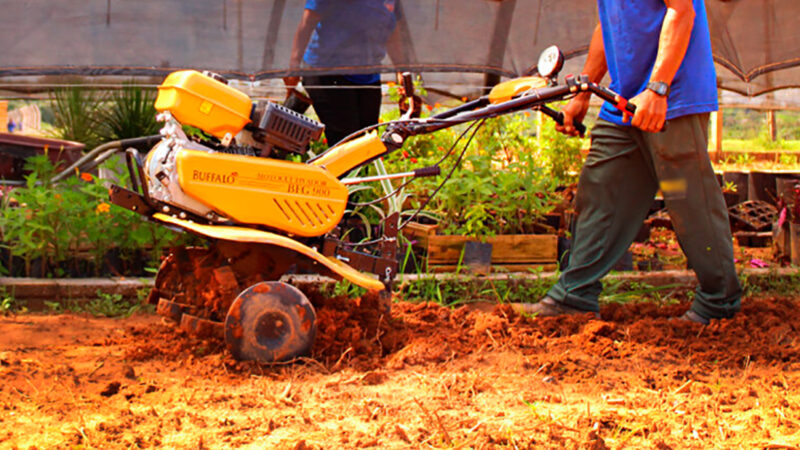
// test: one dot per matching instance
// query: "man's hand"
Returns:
(651, 111)
(575, 110)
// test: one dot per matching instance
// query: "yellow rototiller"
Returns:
(264, 215)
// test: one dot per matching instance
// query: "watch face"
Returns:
(658, 87)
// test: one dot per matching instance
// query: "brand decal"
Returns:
(214, 177)
(298, 185)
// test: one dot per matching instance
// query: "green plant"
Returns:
(787, 159)
(50, 227)
(343, 288)
(621, 291)
(744, 159)
(9, 304)
(76, 114)
(53, 307)
(505, 182)
(562, 153)
(110, 305)
(130, 113)
(729, 186)
(6, 305)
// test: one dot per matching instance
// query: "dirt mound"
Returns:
(356, 333)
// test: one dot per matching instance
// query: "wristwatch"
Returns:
(659, 87)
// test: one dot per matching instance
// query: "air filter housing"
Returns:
(282, 128)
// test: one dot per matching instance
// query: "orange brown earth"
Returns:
(429, 376)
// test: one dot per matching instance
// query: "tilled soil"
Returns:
(471, 377)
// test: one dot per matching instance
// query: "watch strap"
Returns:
(659, 87)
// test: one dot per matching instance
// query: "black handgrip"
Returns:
(558, 116)
(140, 143)
(575, 123)
(431, 171)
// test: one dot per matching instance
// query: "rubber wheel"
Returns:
(269, 322)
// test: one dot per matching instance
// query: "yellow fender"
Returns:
(239, 234)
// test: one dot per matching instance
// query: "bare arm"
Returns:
(651, 109)
(595, 67)
(306, 26)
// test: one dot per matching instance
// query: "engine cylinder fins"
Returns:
(270, 322)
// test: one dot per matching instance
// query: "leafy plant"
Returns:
(50, 228)
(130, 113)
(343, 288)
(76, 114)
(110, 305)
(9, 304)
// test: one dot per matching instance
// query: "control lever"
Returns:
(558, 116)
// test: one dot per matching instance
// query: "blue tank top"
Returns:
(631, 31)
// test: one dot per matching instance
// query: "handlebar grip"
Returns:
(575, 123)
(431, 171)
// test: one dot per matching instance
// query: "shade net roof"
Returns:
(756, 42)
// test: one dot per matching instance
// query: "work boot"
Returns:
(691, 316)
(548, 307)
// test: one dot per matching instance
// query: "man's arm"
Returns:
(676, 31)
(302, 35)
(595, 67)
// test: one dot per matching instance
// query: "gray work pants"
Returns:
(623, 171)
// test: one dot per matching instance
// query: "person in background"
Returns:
(355, 34)
(657, 53)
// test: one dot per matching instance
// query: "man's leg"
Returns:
(369, 104)
(615, 191)
(336, 104)
(697, 208)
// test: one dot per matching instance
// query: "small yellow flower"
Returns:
(103, 208)
(391, 84)
(86, 176)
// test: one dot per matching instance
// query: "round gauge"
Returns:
(551, 60)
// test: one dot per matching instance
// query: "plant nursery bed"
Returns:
(478, 376)
(512, 253)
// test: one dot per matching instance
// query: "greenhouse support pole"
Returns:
(716, 134)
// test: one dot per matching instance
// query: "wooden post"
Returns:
(772, 125)
(3, 116)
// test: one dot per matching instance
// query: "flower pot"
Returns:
(740, 180)
(731, 198)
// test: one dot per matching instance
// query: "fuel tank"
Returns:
(203, 102)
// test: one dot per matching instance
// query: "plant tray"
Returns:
(753, 215)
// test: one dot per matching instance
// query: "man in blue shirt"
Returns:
(658, 53)
(352, 34)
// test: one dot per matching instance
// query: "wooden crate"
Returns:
(514, 252)
(420, 233)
